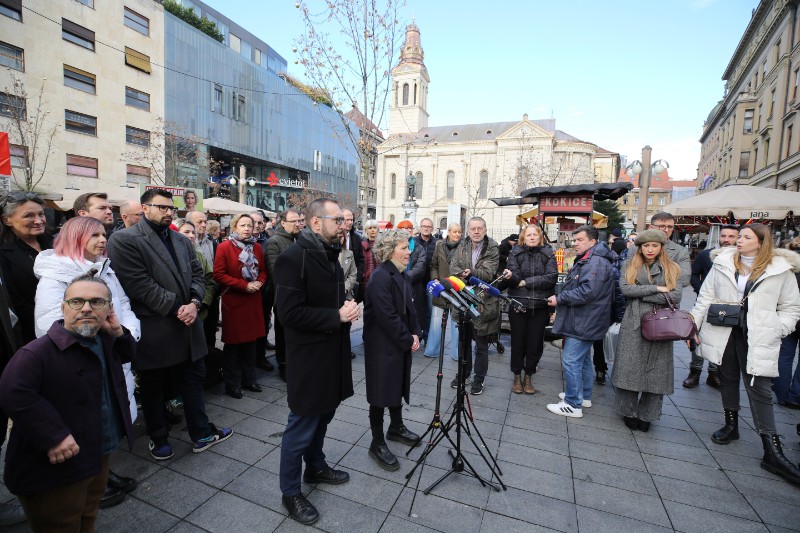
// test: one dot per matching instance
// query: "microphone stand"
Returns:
(461, 419)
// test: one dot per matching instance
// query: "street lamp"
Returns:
(243, 183)
(644, 169)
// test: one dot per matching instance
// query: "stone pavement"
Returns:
(589, 475)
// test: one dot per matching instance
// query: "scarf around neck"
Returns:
(246, 257)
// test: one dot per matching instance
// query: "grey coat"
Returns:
(157, 287)
(643, 365)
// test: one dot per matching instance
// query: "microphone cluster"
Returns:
(455, 292)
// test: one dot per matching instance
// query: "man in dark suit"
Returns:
(164, 280)
(311, 305)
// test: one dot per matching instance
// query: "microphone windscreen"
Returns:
(435, 288)
(457, 283)
(448, 285)
(494, 291)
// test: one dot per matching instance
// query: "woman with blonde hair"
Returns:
(760, 281)
(644, 370)
(532, 274)
(391, 333)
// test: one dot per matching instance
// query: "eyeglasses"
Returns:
(663, 227)
(94, 303)
(292, 221)
(163, 208)
(339, 221)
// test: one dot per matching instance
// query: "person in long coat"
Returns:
(391, 333)
(644, 370)
(239, 270)
(440, 267)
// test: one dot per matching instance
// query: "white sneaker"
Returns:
(586, 403)
(564, 409)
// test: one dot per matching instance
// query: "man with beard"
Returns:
(95, 205)
(163, 278)
(423, 302)
(353, 243)
(311, 305)
(67, 422)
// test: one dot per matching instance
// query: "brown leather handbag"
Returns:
(667, 323)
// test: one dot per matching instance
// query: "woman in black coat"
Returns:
(391, 333)
(532, 274)
(22, 237)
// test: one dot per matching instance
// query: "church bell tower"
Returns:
(408, 106)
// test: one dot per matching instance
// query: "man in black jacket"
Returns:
(352, 242)
(700, 269)
(423, 302)
(311, 305)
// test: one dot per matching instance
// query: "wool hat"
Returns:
(616, 232)
(650, 235)
(405, 224)
(513, 237)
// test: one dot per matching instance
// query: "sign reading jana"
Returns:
(565, 203)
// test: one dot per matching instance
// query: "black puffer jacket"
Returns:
(537, 266)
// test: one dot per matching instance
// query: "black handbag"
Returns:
(667, 323)
(728, 315)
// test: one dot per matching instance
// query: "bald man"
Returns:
(131, 213)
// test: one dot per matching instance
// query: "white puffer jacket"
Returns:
(773, 309)
(54, 273)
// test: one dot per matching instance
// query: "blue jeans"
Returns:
(302, 440)
(576, 360)
(786, 386)
(435, 335)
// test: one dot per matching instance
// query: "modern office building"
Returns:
(230, 98)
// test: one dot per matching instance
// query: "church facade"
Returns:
(450, 173)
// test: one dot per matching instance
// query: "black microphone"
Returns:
(461, 289)
(435, 288)
(494, 291)
(453, 291)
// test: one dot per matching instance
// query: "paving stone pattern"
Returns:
(589, 475)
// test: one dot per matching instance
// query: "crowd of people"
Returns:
(96, 320)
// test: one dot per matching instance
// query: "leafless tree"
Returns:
(27, 120)
(173, 156)
(481, 187)
(351, 67)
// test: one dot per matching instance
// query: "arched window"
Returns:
(443, 223)
(391, 219)
(393, 186)
(395, 95)
(418, 186)
(483, 184)
(415, 94)
(451, 184)
(405, 94)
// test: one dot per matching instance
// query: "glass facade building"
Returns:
(245, 113)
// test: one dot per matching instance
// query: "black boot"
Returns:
(111, 497)
(381, 454)
(730, 431)
(125, 484)
(692, 380)
(774, 461)
(402, 434)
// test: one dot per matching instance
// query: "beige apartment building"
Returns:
(456, 170)
(99, 67)
(752, 136)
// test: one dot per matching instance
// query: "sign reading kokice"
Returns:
(565, 203)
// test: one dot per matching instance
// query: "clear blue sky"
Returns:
(618, 73)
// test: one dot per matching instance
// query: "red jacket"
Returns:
(242, 312)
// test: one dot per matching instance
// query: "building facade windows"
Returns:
(137, 98)
(393, 186)
(236, 43)
(137, 60)
(451, 184)
(80, 123)
(483, 185)
(136, 22)
(80, 79)
(137, 174)
(405, 94)
(78, 165)
(771, 104)
(137, 136)
(12, 57)
(217, 99)
(13, 107)
(77, 34)
(11, 9)
(744, 164)
(748, 121)
(19, 156)
(789, 130)
(418, 185)
(89, 3)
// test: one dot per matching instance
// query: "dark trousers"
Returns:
(734, 363)
(376, 420)
(280, 346)
(239, 365)
(302, 441)
(69, 508)
(527, 339)
(210, 323)
(481, 352)
(188, 378)
(267, 301)
(599, 356)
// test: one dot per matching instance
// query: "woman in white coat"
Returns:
(80, 247)
(764, 278)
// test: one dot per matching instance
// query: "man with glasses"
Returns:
(284, 237)
(423, 301)
(311, 305)
(66, 423)
(164, 280)
(131, 213)
(665, 222)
